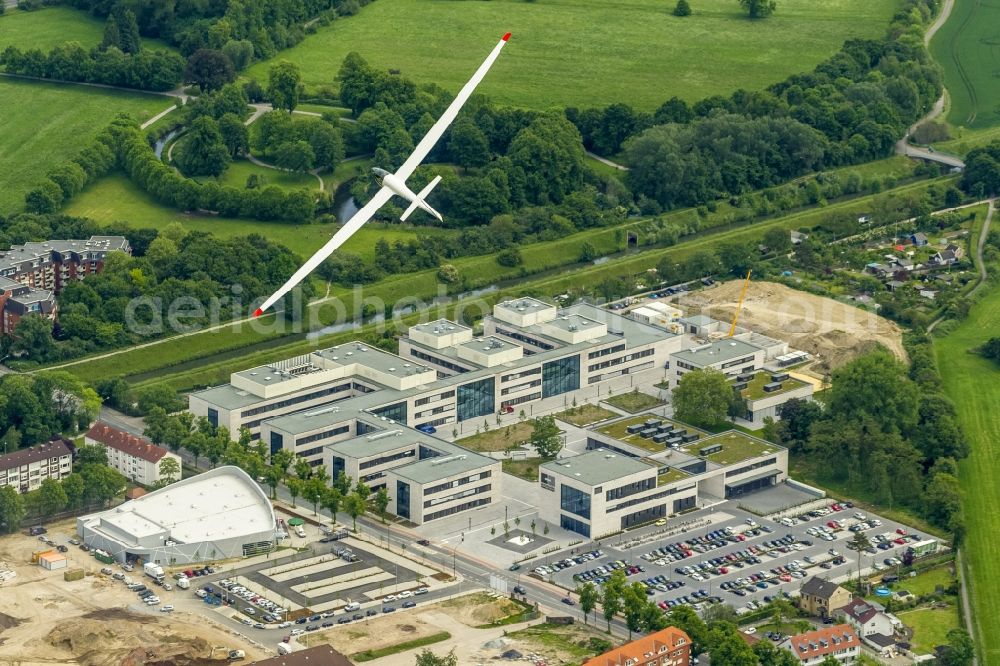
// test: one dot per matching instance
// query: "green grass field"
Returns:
(237, 172)
(45, 124)
(931, 626)
(968, 49)
(115, 198)
(588, 52)
(973, 382)
(634, 401)
(53, 26)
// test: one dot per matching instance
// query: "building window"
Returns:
(403, 499)
(277, 442)
(561, 376)
(455, 496)
(395, 412)
(338, 466)
(574, 501)
(476, 399)
(213, 417)
(340, 430)
(375, 462)
(750, 468)
(457, 482)
(574, 525)
(631, 489)
(548, 481)
(457, 509)
(644, 516)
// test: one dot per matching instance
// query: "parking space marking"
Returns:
(329, 565)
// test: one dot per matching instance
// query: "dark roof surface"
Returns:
(818, 587)
(321, 655)
(53, 449)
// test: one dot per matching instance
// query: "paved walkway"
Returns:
(604, 160)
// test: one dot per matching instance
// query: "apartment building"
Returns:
(136, 458)
(667, 647)
(25, 470)
(19, 300)
(813, 647)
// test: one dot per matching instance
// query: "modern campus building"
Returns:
(370, 414)
(667, 647)
(31, 274)
(136, 458)
(640, 469)
(25, 470)
(216, 515)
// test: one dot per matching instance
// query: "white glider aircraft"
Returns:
(393, 183)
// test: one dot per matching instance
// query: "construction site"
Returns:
(92, 619)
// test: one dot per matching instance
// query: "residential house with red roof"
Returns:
(667, 647)
(137, 458)
(838, 641)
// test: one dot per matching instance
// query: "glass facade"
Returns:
(277, 442)
(396, 412)
(561, 376)
(574, 525)
(476, 399)
(684, 503)
(644, 516)
(403, 499)
(574, 501)
(213, 417)
(338, 466)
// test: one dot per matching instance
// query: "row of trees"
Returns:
(197, 436)
(93, 484)
(147, 69)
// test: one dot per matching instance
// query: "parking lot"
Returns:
(735, 557)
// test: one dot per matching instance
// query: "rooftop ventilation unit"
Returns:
(441, 461)
(384, 434)
(325, 410)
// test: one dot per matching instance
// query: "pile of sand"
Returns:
(833, 332)
(115, 637)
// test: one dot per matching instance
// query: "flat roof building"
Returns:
(216, 515)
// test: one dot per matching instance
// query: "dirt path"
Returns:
(604, 160)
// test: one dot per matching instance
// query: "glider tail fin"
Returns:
(420, 203)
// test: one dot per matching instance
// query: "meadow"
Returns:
(115, 198)
(52, 26)
(973, 383)
(968, 48)
(588, 52)
(45, 124)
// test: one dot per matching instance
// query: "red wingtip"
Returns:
(258, 312)
(506, 37)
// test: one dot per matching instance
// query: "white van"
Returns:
(300, 532)
(351, 607)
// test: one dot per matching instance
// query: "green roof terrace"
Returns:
(755, 387)
(736, 447)
(619, 430)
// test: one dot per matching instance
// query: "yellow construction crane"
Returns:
(739, 306)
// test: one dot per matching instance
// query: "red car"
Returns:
(723, 570)
(836, 507)
(900, 530)
(899, 542)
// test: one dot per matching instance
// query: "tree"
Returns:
(589, 596)
(302, 468)
(778, 240)
(170, 469)
(343, 483)
(283, 85)
(112, 37)
(33, 337)
(468, 145)
(633, 603)
(702, 397)
(101, 484)
(428, 658)
(728, 648)
(612, 594)
(510, 257)
(202, 151)
(51, 497)
(382, 502)
(209, 70)
(91, 455)
(74, 488)
(12, 509)
(294, 156)
(295, 486)
(11, 440)
(128, 30)
(686, 619)
(759, 8)
(961, 650)
(355, 506)
(587, 252)
(314, 490)
(448, 274)
(545, 437)
(235, 136)
(331, 501)
(858, 543)
(683, 8)
(875, 385)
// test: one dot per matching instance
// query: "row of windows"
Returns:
(437, 422)
(521, 337)
(469, 492)
(521, 387)
(443, 396)
(741, 361)
(630, 489)
(457, 482)
(574, 525)
(310, 452)
(296, 400)
(339, 430)
(523, 399)
(457, 509)
(605, 352)
(624, 359)
(686, 366)
(751, 467)
(561, 376)
(518, 375)
(574, 501)
(431, 412)
(395, 412)
(374, 462)
(648, 498)
(475, 399)
(437, 361)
